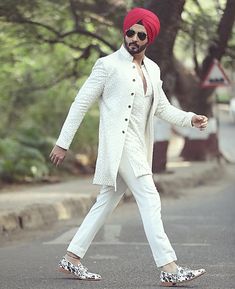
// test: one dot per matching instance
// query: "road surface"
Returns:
(200, 225)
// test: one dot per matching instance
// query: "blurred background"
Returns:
(48, 49)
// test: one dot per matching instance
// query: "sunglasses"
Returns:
(141, 35)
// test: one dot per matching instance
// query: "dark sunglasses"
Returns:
(141, 35)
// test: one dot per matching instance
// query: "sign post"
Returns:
(216, 76)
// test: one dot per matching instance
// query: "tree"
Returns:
(49, 47)
(201, 99)
(67, 35)
(178, 80)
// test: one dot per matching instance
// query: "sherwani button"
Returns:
(123, 131)
(133, 79)
(126, 119)
(132, 93)
(129, 106)
(133, 66)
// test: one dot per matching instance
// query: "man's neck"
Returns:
(138, 58)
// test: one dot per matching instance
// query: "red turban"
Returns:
(148, 19)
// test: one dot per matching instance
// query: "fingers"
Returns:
(200, 122)
(59, 161)
(202, 118)
(52, 157)
(57, 157)
(204, 123)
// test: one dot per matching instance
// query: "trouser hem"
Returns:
(166, 260)
(77, 251)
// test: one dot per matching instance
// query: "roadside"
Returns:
(37, 206)
(33, 207)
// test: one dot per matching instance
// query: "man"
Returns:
(129, 90)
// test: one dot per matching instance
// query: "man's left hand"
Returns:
(199, 121)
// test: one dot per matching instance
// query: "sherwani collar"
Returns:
(128, 56)
(147, 64)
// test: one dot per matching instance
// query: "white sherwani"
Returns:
(113, 82)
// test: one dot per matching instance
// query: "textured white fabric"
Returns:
(113, 83)
(135, 145)
(149, 204)
(162, 130)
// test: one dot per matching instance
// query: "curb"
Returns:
(172, 185)
(38, 215)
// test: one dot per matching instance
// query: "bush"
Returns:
(34, 137)
(19, 162)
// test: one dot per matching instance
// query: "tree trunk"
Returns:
(202, 98)
(161, 51)
(181, 82)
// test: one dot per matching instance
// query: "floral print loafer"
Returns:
(80, 271)
(182, 275)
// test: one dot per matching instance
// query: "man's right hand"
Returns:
(57, 155)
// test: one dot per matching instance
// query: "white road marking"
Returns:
(111, 238)
(147, 244)
(192, 244)
(64, 238)
(103, 257)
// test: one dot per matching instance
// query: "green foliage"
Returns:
(223, 97)
(47, 51)
(19, 162)
(199, 28)
(34, 137)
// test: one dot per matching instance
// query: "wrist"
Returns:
(194, 117)
(61, 148)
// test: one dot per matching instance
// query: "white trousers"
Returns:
(149, 204)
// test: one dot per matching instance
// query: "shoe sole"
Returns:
(61, 270)
(173, 284)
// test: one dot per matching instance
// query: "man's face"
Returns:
(135, 43)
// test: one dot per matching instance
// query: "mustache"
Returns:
(134, 43)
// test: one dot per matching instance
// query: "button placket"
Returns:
(134, 76)
(127, 119)
(132, 93)
(125, 123)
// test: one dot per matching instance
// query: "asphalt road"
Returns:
(226, 132)
(200, 225)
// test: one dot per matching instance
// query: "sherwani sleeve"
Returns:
(166, 111)
(90, 91)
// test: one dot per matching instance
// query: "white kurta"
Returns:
(135, 144)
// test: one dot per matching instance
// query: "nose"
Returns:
(135, 37)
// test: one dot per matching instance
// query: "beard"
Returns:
(133, 48)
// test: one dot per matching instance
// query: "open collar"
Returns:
(127, 55)
(146, 60)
